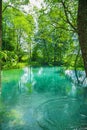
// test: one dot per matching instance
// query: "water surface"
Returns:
(41, 99)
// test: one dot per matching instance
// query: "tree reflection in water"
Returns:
(42, 99)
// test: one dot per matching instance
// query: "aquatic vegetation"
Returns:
(42, 98)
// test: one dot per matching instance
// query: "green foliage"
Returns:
(51, 41)
(18, 30)
(54, 42)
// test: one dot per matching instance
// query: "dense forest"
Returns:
(45, 36)
(43, 63)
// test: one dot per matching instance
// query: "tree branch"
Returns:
(67, 18)
(9, 6)
(61, 27)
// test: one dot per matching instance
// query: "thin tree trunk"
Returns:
(55, 53)
(0, 37)
(0, 23)
(47, 54)
(82, 30)
(75, 66)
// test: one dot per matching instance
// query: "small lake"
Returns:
(41, 98)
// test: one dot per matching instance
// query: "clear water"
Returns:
(41, 99)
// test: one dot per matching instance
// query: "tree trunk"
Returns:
(0, 37)
(82, 30)
(46, 52)
(0, 23)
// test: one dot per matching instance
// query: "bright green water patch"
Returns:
(41, 99)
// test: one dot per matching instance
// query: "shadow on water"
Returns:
(41, 99)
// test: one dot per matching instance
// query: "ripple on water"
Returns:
(60, 114)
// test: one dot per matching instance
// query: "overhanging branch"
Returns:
(9, 6)
(67, 18)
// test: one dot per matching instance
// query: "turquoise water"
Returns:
(41, 99)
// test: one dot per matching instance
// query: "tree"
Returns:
(82, 29)
(0, 23)
(0, 36)
(18, 29)
(52, 39)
